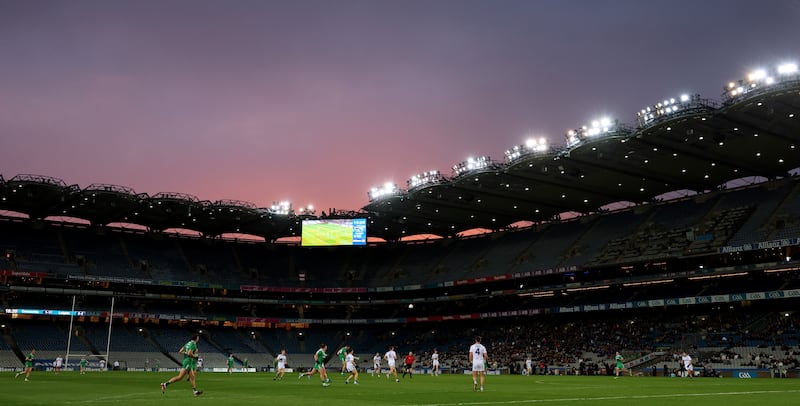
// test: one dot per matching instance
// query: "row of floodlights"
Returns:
(284, 208)
(760, 78)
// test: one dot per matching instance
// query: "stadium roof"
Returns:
(697, 145)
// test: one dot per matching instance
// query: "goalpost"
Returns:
(71, 331)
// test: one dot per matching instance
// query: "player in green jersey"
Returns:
(620, 364)
(319, 366)
(28, 365)
(189, 366)
(83, 366)
(230, 364)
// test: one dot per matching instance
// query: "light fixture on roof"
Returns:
(388, 189)
(472, 164)
(598, 127)
(425, 178)
(531, 145)
(666, 108)
(283, 208)
(761, 78)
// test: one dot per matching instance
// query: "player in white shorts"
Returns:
(391, 358)
(479, 358)
(529, 366)
(281, 367)
(350, 365)
(435, 363)
(687, 364)
(376, 364)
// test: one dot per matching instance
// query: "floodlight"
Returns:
(757, 75)
(471, 164)
(388, 189)
(787, 68)
(283, 207)
(684, 98)
(424, 178)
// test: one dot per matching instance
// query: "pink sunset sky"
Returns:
(317, 101)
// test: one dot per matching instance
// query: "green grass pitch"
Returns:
(327, 234)
(142, 388)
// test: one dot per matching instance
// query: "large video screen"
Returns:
(331, 232)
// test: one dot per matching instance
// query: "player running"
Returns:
(619, 359)
(342, 354)
(435, 362)
(376, 364)
(281, 368)
(188, 367)
(687, 364)
(319, 366)
(391, 358)
(28, 365)
(478, 357)
(350, 363)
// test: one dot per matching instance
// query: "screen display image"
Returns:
(333, 232)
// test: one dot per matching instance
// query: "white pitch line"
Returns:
(589, 399)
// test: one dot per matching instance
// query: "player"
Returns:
(408, 365)
(435, 363)
(319, 366)
(529, 366)
(58, 364)
(188, 367)
(281, 368)
(687, 364)
(28, 365)
(230, 364)
(391, 358)
(83, 366)
(376, 364)
(246, 365)
(199, 364)
(342, 353)
(102, 365)
(350, 363)
(479, 358)
(620, 364)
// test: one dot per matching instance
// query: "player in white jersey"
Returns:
(58, 364)
(280, 369)
(687, 364)
(376, 364)
(479, 358)
(435, 363)
(391, 358)
(529, 366)
(350, 364)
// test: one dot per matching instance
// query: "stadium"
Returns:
(676, 233)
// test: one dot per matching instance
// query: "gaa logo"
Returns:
(745, 375)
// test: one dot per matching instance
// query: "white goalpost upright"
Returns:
(69, 334)
(110, 319)
(71, 331)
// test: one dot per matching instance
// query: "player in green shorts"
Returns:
(189, 365)
(342, 353)
(230, 364)
(83, 366)
(28, 365)
(319, 366)
(620, 364)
